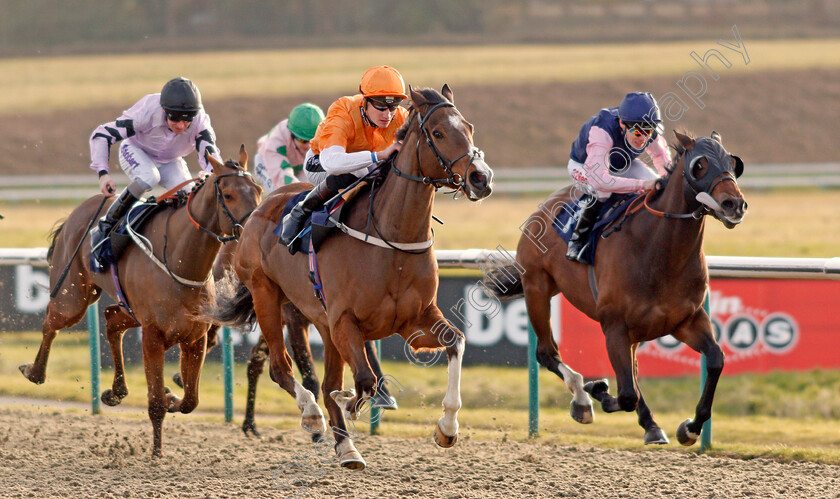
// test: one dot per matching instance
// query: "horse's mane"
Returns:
(432, 97)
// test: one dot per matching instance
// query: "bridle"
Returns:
(454, 180)
(698, 187)
(236, 225)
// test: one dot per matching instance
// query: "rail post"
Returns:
(706, 432)
(375, 412)
(533, 384)
(227, 367)
(93, 343)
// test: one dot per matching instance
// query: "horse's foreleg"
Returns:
(434, 331)
(192, 360)
(538, 291)
(259, 354)
(297, 326)
(153, 356)
(350, 342)
(698, 335)
(382, 398)
(266, 295)
(348, 456)
(620, 351)
(116, 322)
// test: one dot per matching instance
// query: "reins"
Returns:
(235, 224)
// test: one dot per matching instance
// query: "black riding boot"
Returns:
(115, 212)
(588, 217)
(293, 222)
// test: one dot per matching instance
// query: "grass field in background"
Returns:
(783, 223)
(50, 83)
(785, 416)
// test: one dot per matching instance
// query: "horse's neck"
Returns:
(402, 207)
(191, 252)
(680, 239)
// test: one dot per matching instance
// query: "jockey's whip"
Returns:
(84, 236)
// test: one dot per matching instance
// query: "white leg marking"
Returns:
(313, 418)
(452, 401)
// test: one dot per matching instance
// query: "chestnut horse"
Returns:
(164, 301)
(372, 291)
(650, 280)
(297, 327)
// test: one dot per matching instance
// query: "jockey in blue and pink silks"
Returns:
(155, 133)
(604, 158)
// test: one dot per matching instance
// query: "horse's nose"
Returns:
(734, 206)
(480, 183)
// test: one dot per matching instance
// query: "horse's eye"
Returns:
(437, 135)
(699, 168)
(228, 197)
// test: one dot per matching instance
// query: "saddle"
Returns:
(566, 220)
(114, 245)
(320, 224)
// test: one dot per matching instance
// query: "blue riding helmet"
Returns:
(640, 107)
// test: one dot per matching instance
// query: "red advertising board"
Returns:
(761, 324)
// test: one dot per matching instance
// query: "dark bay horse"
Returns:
(650, 276)
(165, 294)
(371, 291)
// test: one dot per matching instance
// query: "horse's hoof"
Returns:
(684, 436)
(656, 436)
(596, 387)
(443, 440)
(352, 460)
(110, 399)
(26, 370)
(314, 423)
(582, 413)
(250, 426)
(382, 401)
(176, 378)
(167, 390)
(317, 437)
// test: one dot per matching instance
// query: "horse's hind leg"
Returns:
(212, 340)
(116, 322)
(538, 291)
(266, 295)
(297, 326)
(75, 308)
(382, 398)
(259, 354)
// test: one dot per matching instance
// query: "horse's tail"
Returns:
(53, 237)
(504, 282)
(233, 306)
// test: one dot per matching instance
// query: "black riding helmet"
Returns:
(180, 98)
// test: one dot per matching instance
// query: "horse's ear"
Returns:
(716, 136)
(243, 158)
(686, 141)
(217, 167)
(737, 165)
(447, 92)
(417, 98)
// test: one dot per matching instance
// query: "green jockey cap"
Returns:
(304, 120)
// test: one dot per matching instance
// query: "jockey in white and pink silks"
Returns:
(280, 152)
(156, 133)
(604, 158)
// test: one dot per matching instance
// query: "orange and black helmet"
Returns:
(383, 83)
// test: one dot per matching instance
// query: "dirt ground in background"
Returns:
(53, 453)
(766, 117)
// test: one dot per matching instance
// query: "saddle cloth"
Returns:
(567, 218)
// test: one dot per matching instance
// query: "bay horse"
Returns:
(164, 295)
(650, 280)
(372, 291)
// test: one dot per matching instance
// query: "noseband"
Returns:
(454, 180)
(236, 225)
